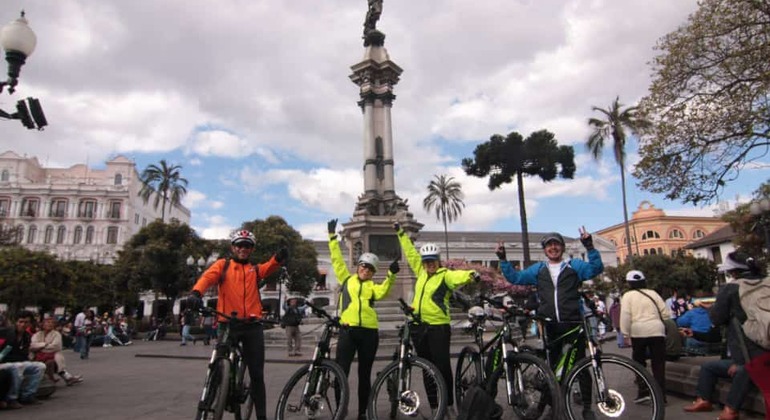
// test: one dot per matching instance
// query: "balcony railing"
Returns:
(58, 213)
(86, 215)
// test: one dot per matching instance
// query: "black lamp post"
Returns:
(760, 209)
(19, 41)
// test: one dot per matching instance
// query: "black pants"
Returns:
(252, 339)
(432, 343)
(363, 341)
(656, 348)
(554, 331)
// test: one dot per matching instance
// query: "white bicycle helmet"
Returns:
(370, 259)
(241, 236)
(476, 313)
(430, 251)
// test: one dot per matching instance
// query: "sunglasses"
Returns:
(367, 266)
(244, 246)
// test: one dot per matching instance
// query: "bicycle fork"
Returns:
(202, 403)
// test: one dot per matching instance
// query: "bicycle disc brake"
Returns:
(409, 403)
(613, 406)
(314, 406)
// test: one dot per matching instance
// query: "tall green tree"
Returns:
(612, 126)
(708, 101)
(503, 158)
(166, 182)
(156, 259)
(273, 233)
(30, 278)
(445, 197)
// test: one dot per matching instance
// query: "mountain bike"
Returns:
(619, 385)
(319, 389)
(530, 386)
(227, 383)
(410, 386)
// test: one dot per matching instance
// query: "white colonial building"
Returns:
(75, 213)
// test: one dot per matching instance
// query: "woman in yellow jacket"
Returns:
(359, 332)
(431, 302)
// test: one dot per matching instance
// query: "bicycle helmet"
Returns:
(476, 313)
(241, 236)
(429, 252)
(634, 275)
(553, 236)
(369, 259)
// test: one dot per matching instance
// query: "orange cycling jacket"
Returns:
(239, 290)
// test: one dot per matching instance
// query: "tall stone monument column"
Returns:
(371, 227)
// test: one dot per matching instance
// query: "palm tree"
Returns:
(165, 182)
(614, 125)
(445, 197)
(506, 158)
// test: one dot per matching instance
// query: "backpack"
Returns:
(477, 404)
(292, 317)
(755, 300)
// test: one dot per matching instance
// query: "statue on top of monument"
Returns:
(372, 16)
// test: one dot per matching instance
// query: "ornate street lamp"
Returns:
(18, 41)
(760, 209)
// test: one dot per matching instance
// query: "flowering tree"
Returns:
(492, 281)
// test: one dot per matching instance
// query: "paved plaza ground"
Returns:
(161, 380)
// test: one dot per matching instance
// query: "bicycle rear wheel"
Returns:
(422, 393)
(326, 398)
(467, 373)
(534, 392)
(213, 403)
(630, 390)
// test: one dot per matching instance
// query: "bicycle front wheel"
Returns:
(467, 373)
(530, 388)
(415, 390)
(212, 405)
(618, 387)
(320, 393)
(244, 406)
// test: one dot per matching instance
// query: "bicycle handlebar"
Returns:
(409, 311)
(233, 317)
(321, 313)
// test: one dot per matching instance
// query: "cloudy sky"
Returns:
(253, 99)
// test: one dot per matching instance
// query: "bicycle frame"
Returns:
(322, 351)
(569, 357)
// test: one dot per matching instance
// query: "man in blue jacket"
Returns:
(558, 283)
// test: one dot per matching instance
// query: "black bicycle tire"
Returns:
(342, 405)
(543, 368)
(657, 393)
(243, 410)
(420, 362)
(217, 391)
(459, 370)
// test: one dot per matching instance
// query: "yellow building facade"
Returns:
(654, 233)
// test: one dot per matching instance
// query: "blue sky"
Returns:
(253, 99)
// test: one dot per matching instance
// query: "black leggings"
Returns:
(555, 330)
(252, 339)
(655, 347)
(364, 341)
(432, 343)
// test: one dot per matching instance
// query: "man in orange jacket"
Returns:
(239, 292)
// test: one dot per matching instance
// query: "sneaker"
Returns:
(13, 405)
(183, 344)
(128, 343)
(589, 415)
(72, 380)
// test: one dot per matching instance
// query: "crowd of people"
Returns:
(31, 349)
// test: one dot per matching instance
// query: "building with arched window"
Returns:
(81, 213)
(655, 233)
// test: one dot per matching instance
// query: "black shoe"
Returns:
(194, 340)
(30, 401)
(589, 415)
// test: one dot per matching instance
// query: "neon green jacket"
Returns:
(356, 296)
(431, 293)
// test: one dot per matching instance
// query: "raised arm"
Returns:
(338, 261)
(410, 253)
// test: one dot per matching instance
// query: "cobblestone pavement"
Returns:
(161, 380)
